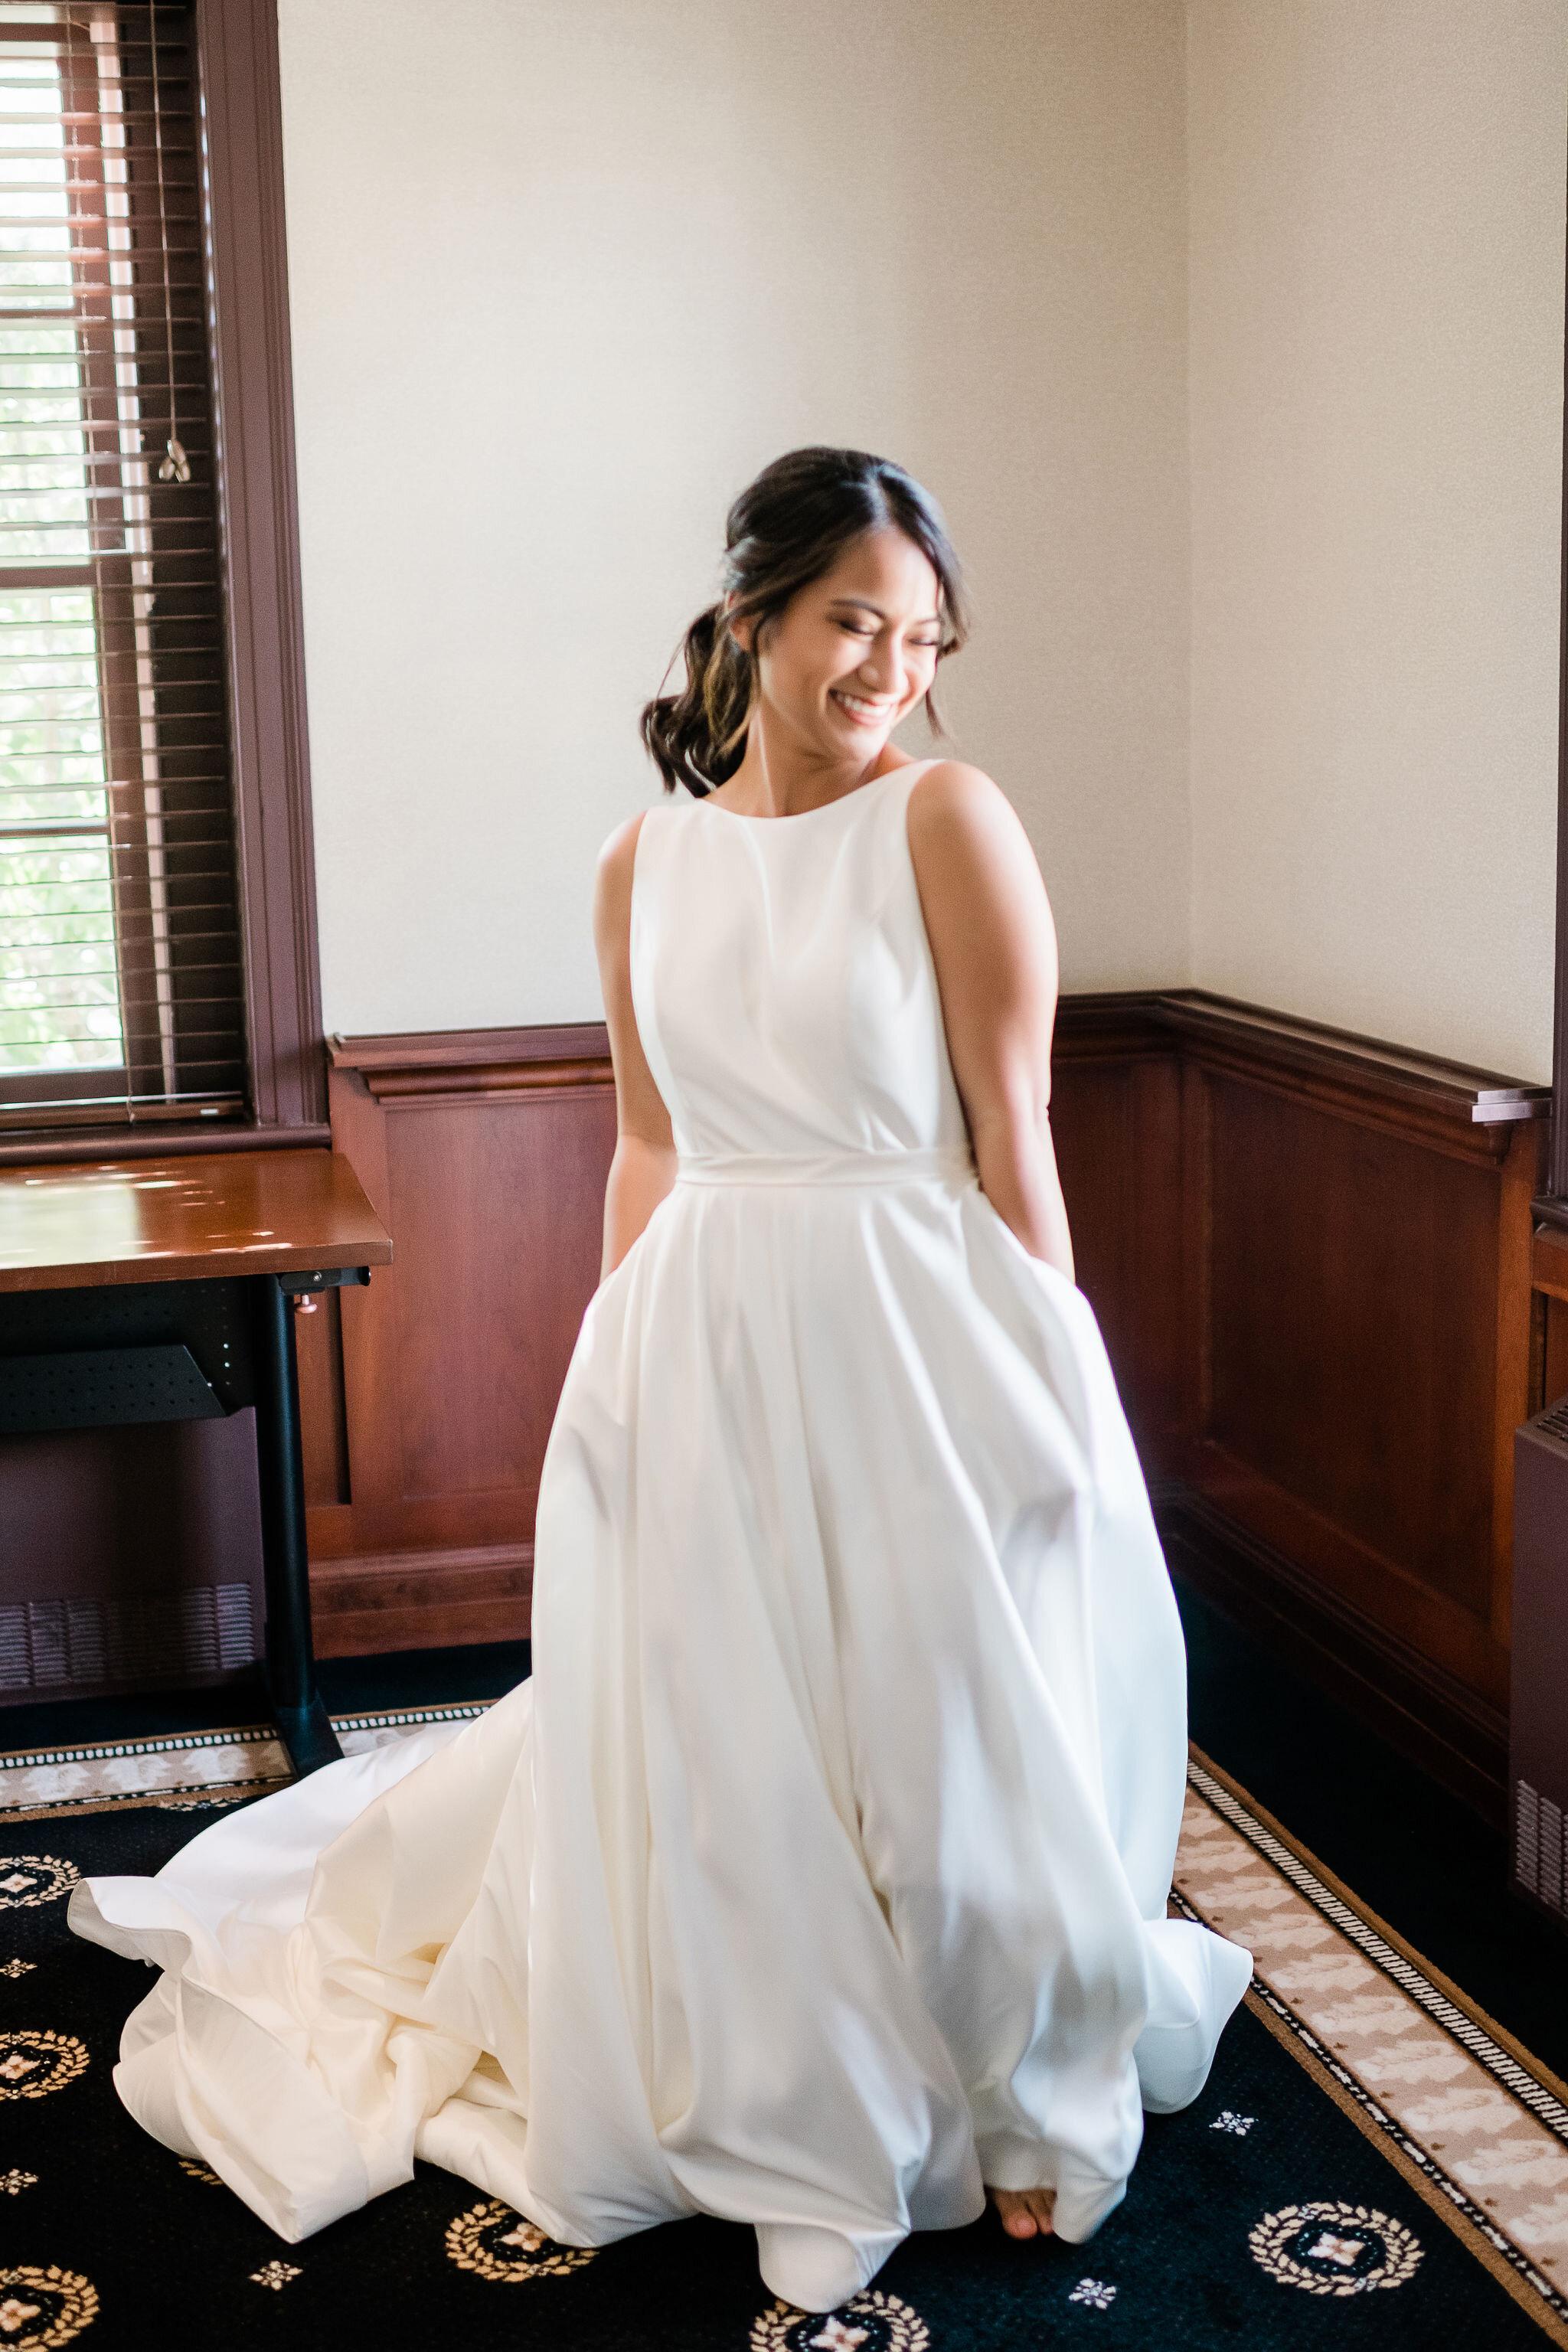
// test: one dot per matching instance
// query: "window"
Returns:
(121, 967)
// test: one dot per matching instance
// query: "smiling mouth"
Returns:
(864, 713)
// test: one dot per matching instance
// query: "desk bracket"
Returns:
(334, 1277)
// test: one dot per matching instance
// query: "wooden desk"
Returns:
(165, 1290)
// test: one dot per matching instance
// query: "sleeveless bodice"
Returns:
(783, 980)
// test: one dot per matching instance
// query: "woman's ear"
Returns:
(743, 632)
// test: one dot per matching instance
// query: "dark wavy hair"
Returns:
(790, 527)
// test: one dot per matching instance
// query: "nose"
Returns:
(880, 669)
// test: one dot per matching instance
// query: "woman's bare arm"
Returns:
(643, 1169)
(994, 947)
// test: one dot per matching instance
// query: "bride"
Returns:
(818, 1878)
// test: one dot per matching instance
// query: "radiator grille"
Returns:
(1538, 1846)
(49, 1645)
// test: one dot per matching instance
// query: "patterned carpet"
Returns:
(1371, 2152)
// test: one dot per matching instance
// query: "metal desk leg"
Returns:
(302, 1720)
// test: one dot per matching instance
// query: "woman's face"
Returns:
(855, 651)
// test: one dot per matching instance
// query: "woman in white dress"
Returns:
(818, 1879)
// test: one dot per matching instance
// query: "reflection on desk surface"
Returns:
(171, 1220)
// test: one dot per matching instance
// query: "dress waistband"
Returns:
(949, 1165)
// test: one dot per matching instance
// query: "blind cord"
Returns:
(76, 169)
(176, 465)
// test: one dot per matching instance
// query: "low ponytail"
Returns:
(697, 737)
(790, 527)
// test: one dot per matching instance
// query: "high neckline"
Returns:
(824, 808)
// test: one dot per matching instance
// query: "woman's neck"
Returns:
(780, 778)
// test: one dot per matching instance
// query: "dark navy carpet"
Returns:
(108, 2237)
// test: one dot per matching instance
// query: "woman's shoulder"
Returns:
(618, 856)
(616, 868)
(952, 800)
(619, 850)
(967, 843)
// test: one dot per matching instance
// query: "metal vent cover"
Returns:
(50, 1645)
(1538, 1847)
(1554, 1422)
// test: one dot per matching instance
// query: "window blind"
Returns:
(120, 971)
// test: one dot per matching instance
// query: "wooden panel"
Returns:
(1433, 1716)
(487, 1154)
(1354, 1309)
(1549, 1322)
(507, 1200)
(324, 1421)
(1116, 1123)
(1520, 1177)
(1358, 1581)
(1554, 1351)
(1363, 1347)
(424, 1600)
(1092, 1127)
(1549, 1263)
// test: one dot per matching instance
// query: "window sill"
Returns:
(52, 1146)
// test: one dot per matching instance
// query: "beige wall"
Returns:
(1376, 275)
(1230, 335)
(564, 277)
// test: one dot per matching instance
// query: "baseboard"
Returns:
(1427, 1715)
(421, 1600)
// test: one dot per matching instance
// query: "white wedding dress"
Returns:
(819, 1873)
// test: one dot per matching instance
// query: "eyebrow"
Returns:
(864, 605)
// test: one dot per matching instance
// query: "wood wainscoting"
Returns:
(1310, 1254)
(1325, 1341)
(428, 1399)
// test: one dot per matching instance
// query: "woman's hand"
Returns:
(994, 947)
(643, 1169)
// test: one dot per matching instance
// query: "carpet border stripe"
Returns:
(1445, 1984)
(1524, 2081)
(191, 1743)
(243, 1735)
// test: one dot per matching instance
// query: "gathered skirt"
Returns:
(819, 1874)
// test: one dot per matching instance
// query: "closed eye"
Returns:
(917, 644)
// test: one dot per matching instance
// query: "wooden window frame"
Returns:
(1551, 1209)
(247, 288)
